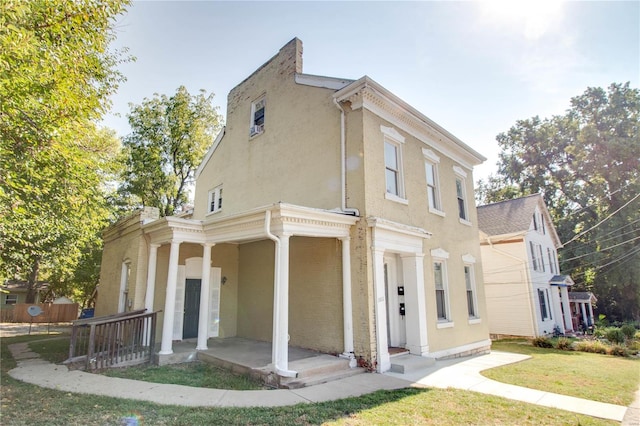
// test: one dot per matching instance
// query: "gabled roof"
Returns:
(584, 296)
(513, 217)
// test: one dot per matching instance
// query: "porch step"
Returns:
(408, 363)
(318, 369)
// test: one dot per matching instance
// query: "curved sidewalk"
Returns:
(457, 373)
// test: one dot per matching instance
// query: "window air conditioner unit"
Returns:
(254, 130)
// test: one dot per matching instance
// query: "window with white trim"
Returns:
(215, 200)
(433, 184)
(257, 116)
(441, 284)
(123, 301)
(469, 280)
(11, 299)
(552, 263)
(537, 260)
(461, 194)
(394, 178)
(543, 298)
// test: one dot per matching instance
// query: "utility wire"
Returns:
(602, 221)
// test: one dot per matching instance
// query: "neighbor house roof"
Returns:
(582, 296)
(512, 217)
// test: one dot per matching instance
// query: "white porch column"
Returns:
(151, 277)
(203, 323)
(585, 320)
(347, 307)
(382, 348)
(593, 320)
(564, 299)
(556, 308)
(281, 309)
(416, 313)
(166, 347)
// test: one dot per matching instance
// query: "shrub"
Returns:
(614, 335)
(593, 346)
(564, 344)
(628, 330)
(542, 342)
(618, 350)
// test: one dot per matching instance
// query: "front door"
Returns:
(191, 308)
(396, 325)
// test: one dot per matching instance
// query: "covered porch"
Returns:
(560, 285)
(278, 223)
(582, 310)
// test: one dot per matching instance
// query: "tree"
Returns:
(169, 138)
(586, 163)
(56, 76)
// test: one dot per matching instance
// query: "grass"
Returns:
(25, 404)
(597, 377)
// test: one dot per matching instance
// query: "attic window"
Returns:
(257, 117)
(215, 199)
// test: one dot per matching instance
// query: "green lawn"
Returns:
(24, 404)
(597, 377)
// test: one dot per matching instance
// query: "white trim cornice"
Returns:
(366, 93)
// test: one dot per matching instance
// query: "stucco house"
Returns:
(329, 214)
(526, 294)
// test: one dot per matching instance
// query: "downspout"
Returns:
(534, 321)
(343, 164)
(276, 299)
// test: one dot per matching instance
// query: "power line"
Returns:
(601, 250)
(602, 221)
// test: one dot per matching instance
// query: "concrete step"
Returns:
(408, 363)
(318, 365)
(298, 382)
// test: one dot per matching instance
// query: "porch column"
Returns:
(416, 314)
(151, 277)
(556, 308)
(585, 319)
(382, 348)
(564, 299)
(593, 320)
(203, 323)
(166, 347)
(347, 308)
(280, 342)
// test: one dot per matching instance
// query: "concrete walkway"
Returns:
(461, 373)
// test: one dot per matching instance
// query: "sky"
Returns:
(473, 67)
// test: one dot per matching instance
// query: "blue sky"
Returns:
(473, 67)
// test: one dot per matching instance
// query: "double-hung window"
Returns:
(394, 179)
(257, 116)
(470, 287)
(441, 286)
(11, 299)
(543, 298)
(433, 184)
(537, 259)
(461, 195)
(215, 199)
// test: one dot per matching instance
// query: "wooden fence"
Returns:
(113, 341)
(50, 312)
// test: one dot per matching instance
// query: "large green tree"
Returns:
(169, 137)
(586, 163)
(56, 76)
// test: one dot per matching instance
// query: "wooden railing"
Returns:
(113, 341)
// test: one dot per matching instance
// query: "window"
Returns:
(536, 256)
(257, 117)
(471, 301)
(552, 263)
(392, 168)
(441, 296)
(461, 194)
(462, 211)
(433, 184)
(543, 297)
(394, 180)
(123, 302)
(215, 199)
(11, 299)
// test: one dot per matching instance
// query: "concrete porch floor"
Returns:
(253, 357)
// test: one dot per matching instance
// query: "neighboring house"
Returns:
(13, 292)
(525, 293)
(581, 303)
(330, 215)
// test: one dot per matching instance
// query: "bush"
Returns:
(618, 350)
(564, 344)
(542, 342)
(628, 330)
(614, 335)
(593, 346)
